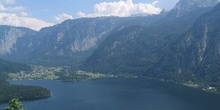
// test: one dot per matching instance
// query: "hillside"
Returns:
(195, 55)
(67, 44)
(180, 45)
(136, 49)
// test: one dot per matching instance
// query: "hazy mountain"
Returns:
(68, 43)
(64, 41)
(9, 37)
(185, 6)
(136, 49)
(182, 43)
(196, 54)
(72, 41)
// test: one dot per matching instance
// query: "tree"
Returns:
(14, 104)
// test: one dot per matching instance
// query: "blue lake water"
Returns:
(120, 94)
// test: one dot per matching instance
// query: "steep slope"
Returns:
(68, 43)
(71, 42)
(61, 43)
(9, 37)
(119, 52)
(196, 55)
(136, 49)
(186, 6)
(182, 17)
(7, 67)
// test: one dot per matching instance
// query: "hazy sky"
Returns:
(36, 14)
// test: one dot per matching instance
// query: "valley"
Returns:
(180, 46)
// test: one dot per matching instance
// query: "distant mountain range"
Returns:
(68, 43)
(181, 44)
(137, 49)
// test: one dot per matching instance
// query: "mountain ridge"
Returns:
(165, 45)
(147, 47)
(196, 53)
(70, 42)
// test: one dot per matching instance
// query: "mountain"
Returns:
(185, 6)
(117, 51)
(136, 49)
(72, 41)
(195, 56)
(68, 43)
(61, 42)
(13, 40)
(9, 37)
(183, 15)
(180, 44)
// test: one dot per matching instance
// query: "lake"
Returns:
(120, 94)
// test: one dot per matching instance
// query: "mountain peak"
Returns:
(184, 6)
(201, 3)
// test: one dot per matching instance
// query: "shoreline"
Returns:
(85, 76)
(195, 86)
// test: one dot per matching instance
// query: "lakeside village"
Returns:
(65, 74)
(57, 73)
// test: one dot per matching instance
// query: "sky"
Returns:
(36, 14)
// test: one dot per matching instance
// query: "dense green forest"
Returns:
(6, 66)
(9, 91)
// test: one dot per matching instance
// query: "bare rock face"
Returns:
(8, 39)
(69, 42)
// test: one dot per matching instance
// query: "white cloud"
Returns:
(17, 16)
(80, 14)
(24, 21)
(122, 8)
(10, 1)
(63, 17)
(23, 14)
(155, 2)
(2, 7)
(11, 9)
(15, 9)
(7, 1)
